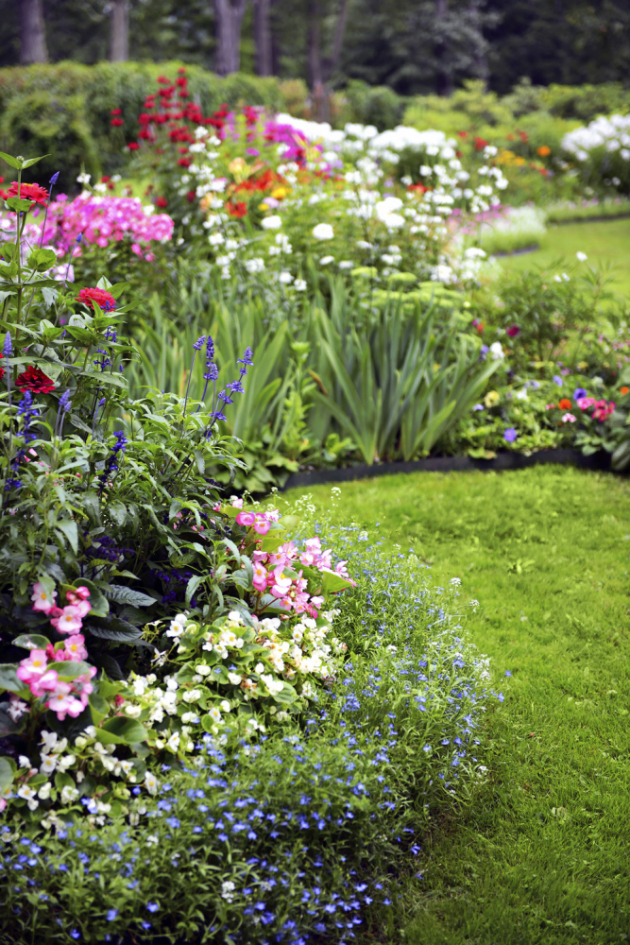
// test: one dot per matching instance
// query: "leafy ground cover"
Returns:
(541, 855)
(607, 242)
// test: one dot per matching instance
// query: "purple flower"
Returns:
(54, 179)
(510, 435)
(111, 915)
(7, 348)
(478, 407)
(199, 343)
(247, 357)
(578, 393)
(557, 380)
(152, 906)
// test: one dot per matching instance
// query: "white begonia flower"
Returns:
(300, 285)
(326, 260)
(173, 742)
(203, 669)
(274, 222)
(192, 696)
(496, 351)
(225, 706)
(151, 783)
(133, 711)
(255, 265)
(69, 794)
(285, 277)
(215, 714)
(235, 679)
(44, 791)
(323, 231)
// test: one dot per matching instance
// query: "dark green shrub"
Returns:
(378, 105)
(51, 125)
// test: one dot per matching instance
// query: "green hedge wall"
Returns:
(64, 110)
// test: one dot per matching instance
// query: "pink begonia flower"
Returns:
(82, 685)
(260, 578)
(82, 592)
(75, 648)
(281, 585)
(261, 525)
(65, 705)
(42, 600)
(568, 418)
(69, 621)
(33, 667)
(246, 518)
(272, 515)
(235, 502)
(49, 682)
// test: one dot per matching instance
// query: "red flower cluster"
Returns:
(103, 299)
(161, 202)
(35, 380)
(236, 208)
(28, 192)
(480, 143)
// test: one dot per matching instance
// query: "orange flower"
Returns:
(565, 404)
(543, 150)
(624, 390)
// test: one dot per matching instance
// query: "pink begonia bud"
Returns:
(82, 592)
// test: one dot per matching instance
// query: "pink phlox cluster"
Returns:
(602, 410)
(103, 220)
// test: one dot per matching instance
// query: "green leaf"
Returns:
(62, 780)
(8, 726)
(42, 259)
(8, 769)
(332, 582)
(113, 628)
(11, 161)
(126, 595)
(31, 161)
(17, 204)
(50, 296)
(99, 708)
(31, 641)
(121, 731)
(68, 527)
(192, 586)
(100, 605)
(117, 511)
(9, 680)
(68, 670)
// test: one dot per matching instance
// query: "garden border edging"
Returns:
(598, 461)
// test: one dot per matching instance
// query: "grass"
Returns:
(604, 243)
(543, 854)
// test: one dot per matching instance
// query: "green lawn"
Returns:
(607, 243)
(543, 855)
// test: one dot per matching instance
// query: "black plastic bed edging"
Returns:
(599, 460)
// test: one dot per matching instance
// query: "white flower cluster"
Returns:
(612, 133)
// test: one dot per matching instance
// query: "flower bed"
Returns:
(207, 709)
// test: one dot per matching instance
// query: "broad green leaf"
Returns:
(126, 595)
(11, 161)
(68, 527)
(31, 161)
(8, 769)
(332, 582)
(9, 680)
(18, 204)
(31, 641)
(192, 586)
(121, 731)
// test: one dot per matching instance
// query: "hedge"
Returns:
(64, 110)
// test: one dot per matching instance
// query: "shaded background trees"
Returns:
(413, 46)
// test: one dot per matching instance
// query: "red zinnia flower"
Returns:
(103, 299)
(184, 162)
(238, 209)
(116, 122)
(133, 145)
(190, 196)
(162, 202)
(480, 143)
(116, 111)
(29, 192)
(35, 380)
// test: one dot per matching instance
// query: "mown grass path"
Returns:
(543, 855)
(604, 242)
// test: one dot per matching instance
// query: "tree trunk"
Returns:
(340, 27)
(443, 78)
(262, 34)
(229, 15)
(119, 38)
(32, 34)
